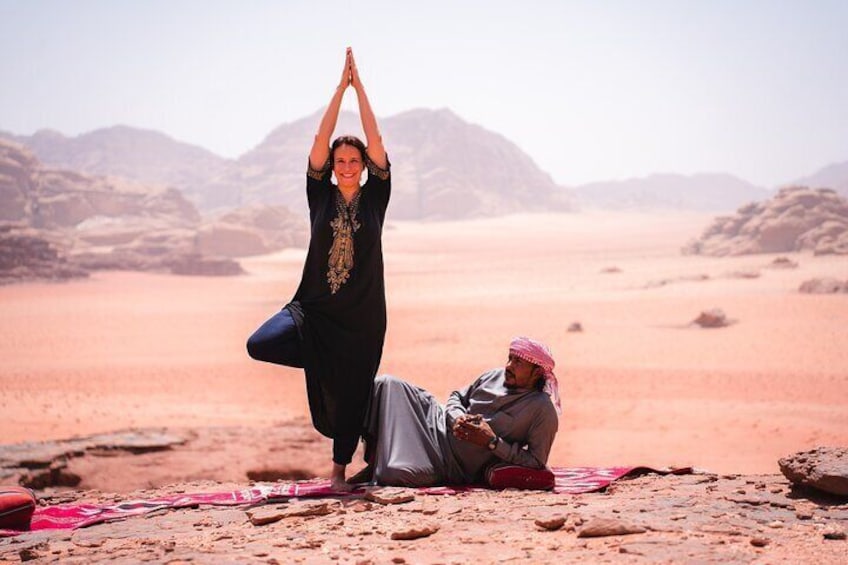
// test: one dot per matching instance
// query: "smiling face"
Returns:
(348, 166)
(521, 374)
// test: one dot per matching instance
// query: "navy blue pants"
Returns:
(276, 341)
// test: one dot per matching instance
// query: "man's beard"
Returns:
(507, 384)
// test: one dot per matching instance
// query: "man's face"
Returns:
(520, 374)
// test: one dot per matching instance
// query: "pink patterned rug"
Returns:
(569, 480)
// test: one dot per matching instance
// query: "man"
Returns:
(506, 415)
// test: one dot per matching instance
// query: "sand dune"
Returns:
(639, 385)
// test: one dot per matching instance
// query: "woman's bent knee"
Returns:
(254, 349)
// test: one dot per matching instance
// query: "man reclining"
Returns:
(508, 415)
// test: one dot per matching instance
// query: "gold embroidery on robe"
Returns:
(344, 225)
(318, 174)
(373, 169)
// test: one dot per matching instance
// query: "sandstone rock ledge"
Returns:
(700, 518)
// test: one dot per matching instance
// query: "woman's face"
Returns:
(347, 165)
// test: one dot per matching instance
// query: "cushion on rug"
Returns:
(516, 476)
(16, 507)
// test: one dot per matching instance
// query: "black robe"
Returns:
(340, 311)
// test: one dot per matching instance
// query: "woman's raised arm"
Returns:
(321, 146)
(376, 151)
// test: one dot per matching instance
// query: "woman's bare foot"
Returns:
(337, 479)
(341, 485)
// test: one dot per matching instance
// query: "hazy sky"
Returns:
(591, 90)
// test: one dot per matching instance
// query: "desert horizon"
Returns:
(640, 384)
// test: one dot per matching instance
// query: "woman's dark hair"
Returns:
(351, 140)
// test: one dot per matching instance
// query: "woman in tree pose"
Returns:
(335, 324)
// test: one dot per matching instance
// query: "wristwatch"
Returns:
(494, 443)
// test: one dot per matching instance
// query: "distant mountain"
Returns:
(143, 155)
(833, 176)
(703, 192)
(443, 167)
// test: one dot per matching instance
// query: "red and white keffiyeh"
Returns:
(539, 354)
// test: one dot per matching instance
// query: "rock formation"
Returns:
(95, 222)
(149, 157)
(823, 286)
(252, 230)
(824, 469)
(796, 219)
(25, 256)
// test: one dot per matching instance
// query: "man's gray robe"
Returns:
(409, 438)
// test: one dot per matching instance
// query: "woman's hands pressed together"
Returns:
(345, 80)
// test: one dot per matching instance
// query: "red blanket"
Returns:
(569, 480)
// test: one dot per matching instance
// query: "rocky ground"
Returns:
(697, 518)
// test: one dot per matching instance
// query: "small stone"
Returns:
(804, 515)
(834, 532)
(398, 560)
(551, 524)
(575, 327)
(28, 554)
(759, 542)
(713, 318)
(600, 527)
(776, 524)
(783, 263)
(390, 495)
(415, 532)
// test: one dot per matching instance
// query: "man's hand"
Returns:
(473, 428)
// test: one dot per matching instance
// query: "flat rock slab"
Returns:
(390, 495)
(601, 527)
(823, 468)
(37, 455)
(416, 531)
(311, 508)
(137, 441)
(265, 515)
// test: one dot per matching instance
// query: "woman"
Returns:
(336, 322)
